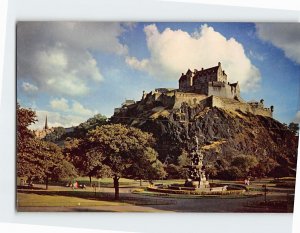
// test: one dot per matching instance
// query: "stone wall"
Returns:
(225, 91)
(233, 105)
(175, 99)
(189, 98)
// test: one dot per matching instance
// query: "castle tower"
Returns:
(46, 124)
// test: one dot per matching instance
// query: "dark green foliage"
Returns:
(232, 173)
(118, 150)
(38, 159)
(173, 171)
(25, 117)
(60, 134)
(183, 160)
(294, 127)
(56, 135)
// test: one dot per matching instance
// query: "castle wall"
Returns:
(189, 98)
(225, 91)
(167, 99)
(233, 105)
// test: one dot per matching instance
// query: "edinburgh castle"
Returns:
(204, 88)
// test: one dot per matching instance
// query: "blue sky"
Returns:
(70, 71)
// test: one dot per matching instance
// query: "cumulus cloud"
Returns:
(172, 52)
(76, 108)
(57, 56)
(29, 88)
(297, 118)
(285, 36)
(79, 109)
(59, 104)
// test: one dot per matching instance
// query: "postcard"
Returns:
(157, 116)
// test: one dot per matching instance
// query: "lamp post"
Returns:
(99, 184)
(265, 191)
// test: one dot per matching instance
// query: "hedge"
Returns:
(195, 192)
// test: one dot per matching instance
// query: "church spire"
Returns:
(46, 123)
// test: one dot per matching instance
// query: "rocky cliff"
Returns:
(222, 134)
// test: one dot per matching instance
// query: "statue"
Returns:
(196, 172)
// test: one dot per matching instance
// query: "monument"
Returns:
(196, 171)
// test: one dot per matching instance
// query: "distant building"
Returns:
(46, 130)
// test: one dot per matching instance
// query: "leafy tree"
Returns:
(56, 135)
(86, 158)
(211, 171)
(81, 130)
(183, 160)
(173, 171)
(232, 173)
(294, 127)
(59, 134)
(265, 166)
(126, 151)
(147, 166)
(25, 117)
(244, 163)
(38, 159)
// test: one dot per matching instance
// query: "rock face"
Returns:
(223, 134)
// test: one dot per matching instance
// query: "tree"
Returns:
(211, 171)
(244, 163)
(87, 159)
(82, 129)
(38, 159)
(56, 135)
(183, 160)
(265, 166)
(126, 151)
(294, 127)
(147, 166)
(25, 117)
(232, 173)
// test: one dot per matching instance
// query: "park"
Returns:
(115, 168)
(135, 198)
(155, 117)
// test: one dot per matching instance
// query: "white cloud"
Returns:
(79, 109)
(297, 118)
(56, 119)
(28, 87)
(57, 56)
(172, 52)
(137, 64)
(256, 56)
(285, 36)
(62, 104)
(59, 104)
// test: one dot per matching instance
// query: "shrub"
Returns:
(196, 192)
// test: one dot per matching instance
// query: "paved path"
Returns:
(170, 204)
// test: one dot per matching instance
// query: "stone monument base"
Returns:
(196, 184)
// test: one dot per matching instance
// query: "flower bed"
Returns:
(197, 192)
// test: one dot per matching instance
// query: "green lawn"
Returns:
(33, 199)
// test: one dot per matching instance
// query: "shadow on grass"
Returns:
(102, 196)
(28, 187)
